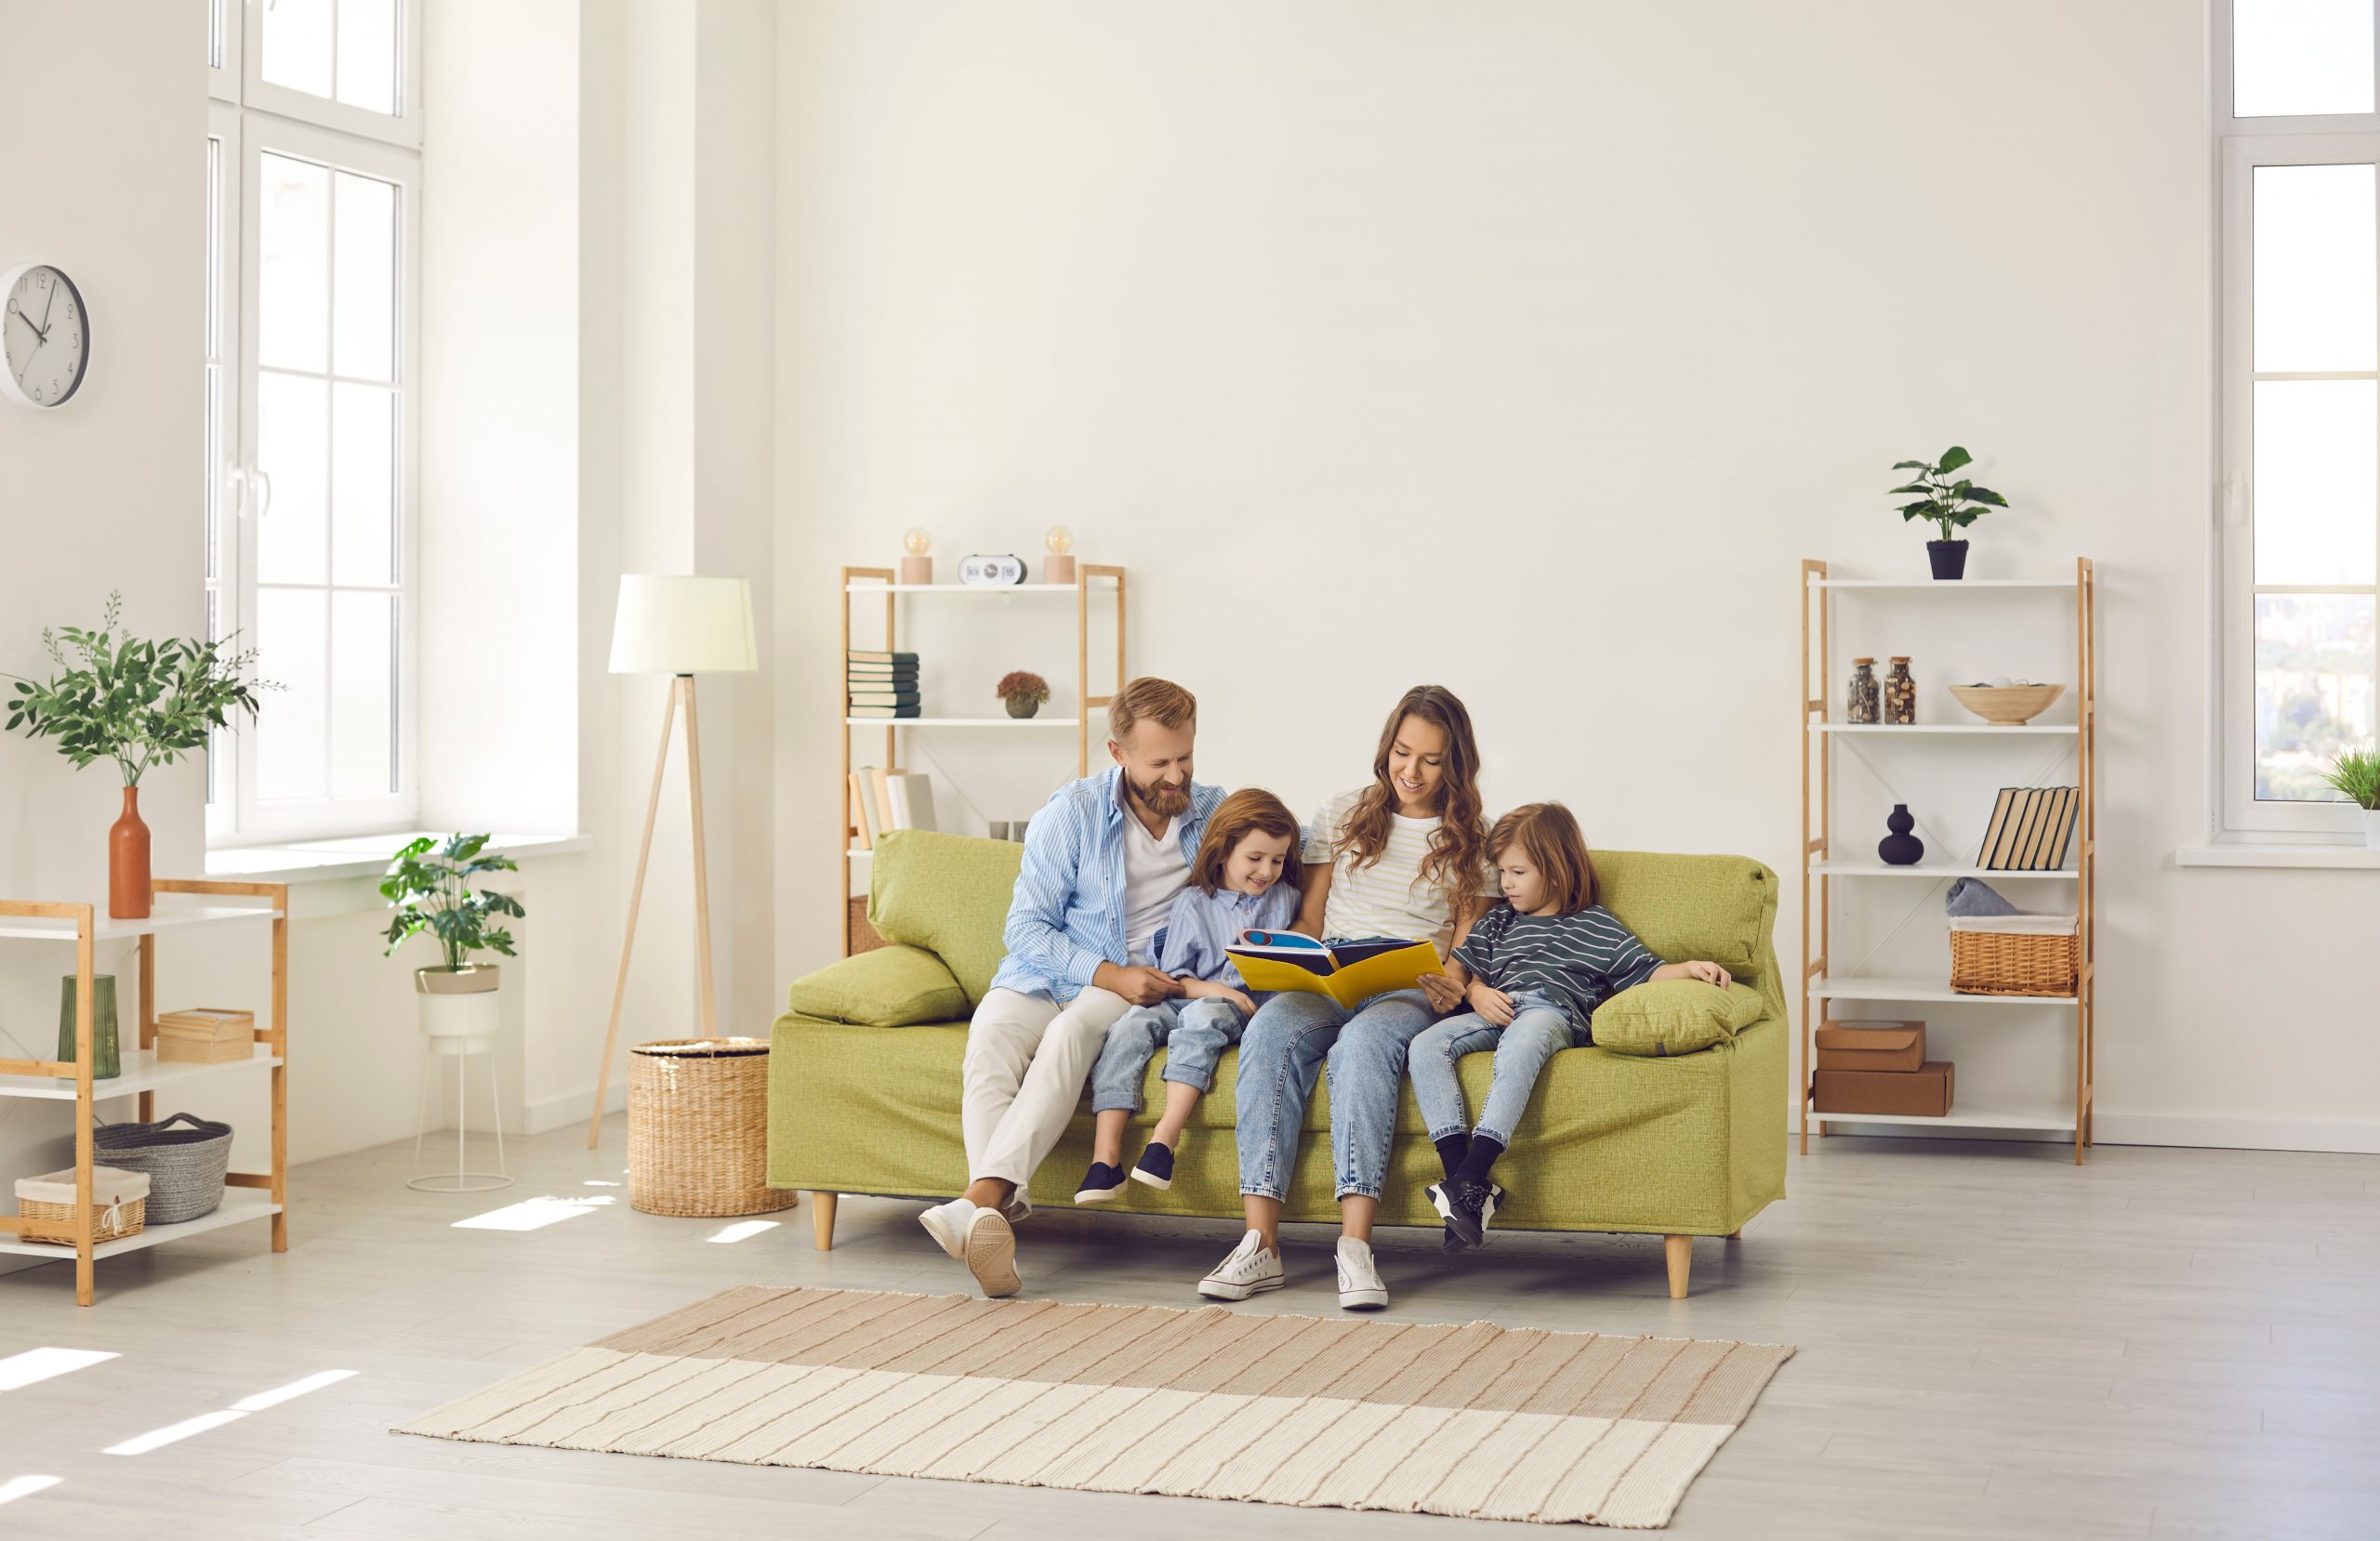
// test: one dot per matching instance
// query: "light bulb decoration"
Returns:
(1060, 569)
(916, 567)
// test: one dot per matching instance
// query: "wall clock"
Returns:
(45, 337)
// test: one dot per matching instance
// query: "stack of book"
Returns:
(885, 800)
(206, 1036)
(881, 684)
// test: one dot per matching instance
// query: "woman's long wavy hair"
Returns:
(1459, 850)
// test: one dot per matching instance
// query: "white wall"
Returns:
(1525, 347)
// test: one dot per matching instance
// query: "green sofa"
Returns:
(864, 1075)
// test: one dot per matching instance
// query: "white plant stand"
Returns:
(462, 1048)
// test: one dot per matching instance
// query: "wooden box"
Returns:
(206, 1036)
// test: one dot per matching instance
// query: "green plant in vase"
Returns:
(429, 884)
(2354, 775)
(141, 704)
(1949, 506)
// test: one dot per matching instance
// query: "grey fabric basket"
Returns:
(185, 1166)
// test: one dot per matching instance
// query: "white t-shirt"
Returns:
(1155, 871)
(1386, 897)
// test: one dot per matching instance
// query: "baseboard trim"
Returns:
(2180, 1130)
(552, 1113)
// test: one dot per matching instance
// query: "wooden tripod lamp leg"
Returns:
(636, 898)
(702, 879)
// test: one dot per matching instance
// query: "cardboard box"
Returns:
(1924, 1092)
(1871, 1046)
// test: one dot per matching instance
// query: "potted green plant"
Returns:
(429, 884)
(139, 703)
(1951, 505)
(1024, 691)
(2356, 774)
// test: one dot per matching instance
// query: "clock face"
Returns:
(45, 337)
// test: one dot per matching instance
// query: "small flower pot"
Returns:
(458, 1003)
(1949, 557)
(2372, 829)
(1023, 705)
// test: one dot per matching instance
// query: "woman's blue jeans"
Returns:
(1295, 1035)
(1539, 1030)
(1195, 1035)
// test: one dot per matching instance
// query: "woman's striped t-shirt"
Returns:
(1386, 897)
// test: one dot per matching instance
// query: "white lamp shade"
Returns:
(669, 625)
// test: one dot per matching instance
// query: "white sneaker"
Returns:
(991, 1254)
(1359, 1286)
(1251, 1268)
(946, 1223)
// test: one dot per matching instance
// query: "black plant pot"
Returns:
(1949, 557)
(1901, 848)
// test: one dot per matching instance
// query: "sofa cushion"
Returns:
(949, 894)
(1674, 1016)
(1686, 907)
(886, 987)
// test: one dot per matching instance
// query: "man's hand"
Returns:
(1140, 986)
(1444, 990)
(1493, 1004)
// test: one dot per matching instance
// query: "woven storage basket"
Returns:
(185, 1166)
(698, 1129)
(2001, 959)
(119, 1205)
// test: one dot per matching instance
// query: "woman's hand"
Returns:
(1493, 1004)
(1708, 972)
(1444, 991)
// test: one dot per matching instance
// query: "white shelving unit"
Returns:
(180, 905)
(866, 583)
(1821, 868)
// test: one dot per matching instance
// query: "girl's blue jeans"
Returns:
(1539, 1030)
(1293, 1037)
(1194, 1034)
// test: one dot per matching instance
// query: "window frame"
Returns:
(251, 120)
(2241, 146)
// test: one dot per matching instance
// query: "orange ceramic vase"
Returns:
(128, 891)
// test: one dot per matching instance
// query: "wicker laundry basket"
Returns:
(185, 1166)
(2014, 955)
(698, 1129)
(119, 1205)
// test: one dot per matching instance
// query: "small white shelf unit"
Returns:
(1821, 868)
(180, 904)
(862, 584)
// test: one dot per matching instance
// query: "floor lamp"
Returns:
(680, 626)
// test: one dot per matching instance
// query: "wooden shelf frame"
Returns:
(274, 1036)
(1819, 869)
(862, 584)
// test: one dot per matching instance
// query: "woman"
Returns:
(1405, 856)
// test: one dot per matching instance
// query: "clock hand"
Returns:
(46, 309)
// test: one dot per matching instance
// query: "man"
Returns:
(1102, 862)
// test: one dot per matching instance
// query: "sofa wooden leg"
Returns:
(1679, 1251)
(822, 1220)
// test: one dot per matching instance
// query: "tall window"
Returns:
(314, 183)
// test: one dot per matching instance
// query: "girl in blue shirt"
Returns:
(1245, 879)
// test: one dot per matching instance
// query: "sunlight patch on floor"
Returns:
(740, 1229)
(25, 1487)
(41, 1363)
(534, 1213)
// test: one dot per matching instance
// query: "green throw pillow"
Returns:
(1674, 1017)
(887, 987)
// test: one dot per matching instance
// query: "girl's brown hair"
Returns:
(1549, 836)
(1250, 811)
(1458, 848)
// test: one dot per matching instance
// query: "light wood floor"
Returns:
(1993, 1344)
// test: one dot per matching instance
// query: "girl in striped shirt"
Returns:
(1534, 969)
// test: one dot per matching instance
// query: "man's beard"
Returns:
(1166, 802)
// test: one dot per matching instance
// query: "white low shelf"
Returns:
(142, 1072)
(2054, 1120)
(962, 722)
(239, 1203)
(1872, 987)
(1880, 869)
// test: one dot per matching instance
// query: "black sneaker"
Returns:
(1155, 1167)
(1466, 1206)
(1099, 1184)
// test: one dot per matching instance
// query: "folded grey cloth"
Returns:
(1973, 896)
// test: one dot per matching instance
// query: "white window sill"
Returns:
(359, 856)
(2243, 855)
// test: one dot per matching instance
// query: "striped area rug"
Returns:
(1480, 1421)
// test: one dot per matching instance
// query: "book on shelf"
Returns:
(887, 712)
(890, 674)
(2031, 829)
(882, 698)
(908, 799)
(862, 812)
(1346, 971)
(857, 656)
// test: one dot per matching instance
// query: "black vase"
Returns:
(1901, 848)
(1949, 557)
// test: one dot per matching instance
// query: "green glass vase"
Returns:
(107, 1057)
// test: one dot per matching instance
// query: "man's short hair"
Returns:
(1149, 699)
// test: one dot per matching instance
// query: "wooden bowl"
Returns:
(2007, 705)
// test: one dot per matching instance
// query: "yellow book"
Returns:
(1346, 971)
